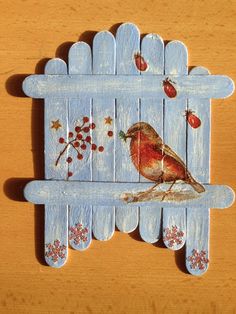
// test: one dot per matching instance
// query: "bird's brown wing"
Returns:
(168, 151)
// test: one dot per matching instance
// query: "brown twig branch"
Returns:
(154, 195)
(63, 151)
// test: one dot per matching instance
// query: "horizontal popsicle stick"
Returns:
(108, 193)
(137, 86)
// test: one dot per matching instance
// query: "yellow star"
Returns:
(108, 120)
(56, 125)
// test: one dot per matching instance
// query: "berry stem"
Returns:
(81, 126)
(74, 147)
(65, 148)
(61, 153)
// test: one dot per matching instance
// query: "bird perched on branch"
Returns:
(155, 160)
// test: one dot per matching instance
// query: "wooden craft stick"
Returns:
(176, 62)
(152, 52)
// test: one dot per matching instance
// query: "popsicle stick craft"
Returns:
(127, 143)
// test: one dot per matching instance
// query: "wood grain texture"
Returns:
(122, 275)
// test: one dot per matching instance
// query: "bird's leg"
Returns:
(168, 191)
(158, 181)
(153, 187)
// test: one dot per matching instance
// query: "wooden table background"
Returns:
(123, 275)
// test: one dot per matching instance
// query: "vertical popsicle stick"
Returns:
(79, 118)
(55, 127)
(152, 51)
(198, 156)
(104, 57)
(127, 113)
(174, 221)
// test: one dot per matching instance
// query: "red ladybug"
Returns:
(140, 62)
(192, 119)
(169, 88)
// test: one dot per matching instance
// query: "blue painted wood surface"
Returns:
(56, 216)
(127, 113)
(198, 147)
(152, 50)
(109, 85)
(108, 193)
(80, 217)
(176, 62)
(74, 86)
(104, 61)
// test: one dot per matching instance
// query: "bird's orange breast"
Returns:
(152, 162)
(146, 159)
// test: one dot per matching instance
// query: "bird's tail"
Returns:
(196, 185)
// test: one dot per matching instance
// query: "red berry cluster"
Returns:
(79, 141)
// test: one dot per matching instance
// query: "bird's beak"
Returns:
(128, 135)
(124, 136)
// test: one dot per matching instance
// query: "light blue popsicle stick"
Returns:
(127, 113)
(198, 149)
(115, 193)
(126, 86)
(56, 216)
(104, 57)
(152, 50)
(80, 216)
(174, 222)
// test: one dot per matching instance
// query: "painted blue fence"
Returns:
(91, 182)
